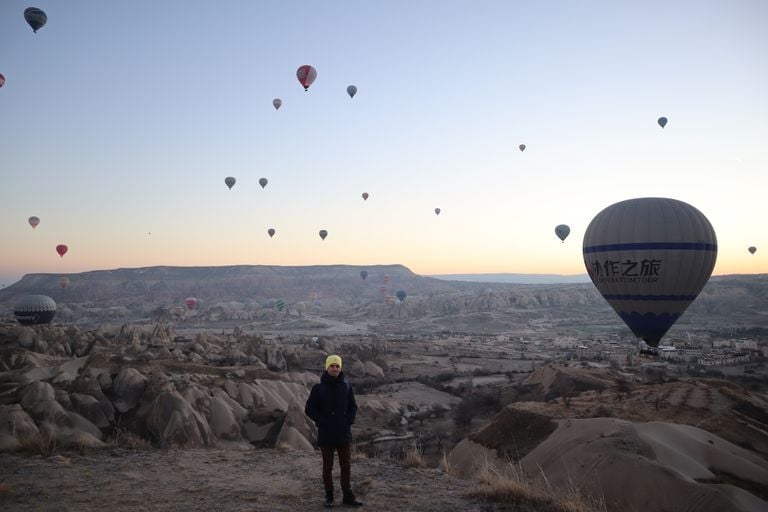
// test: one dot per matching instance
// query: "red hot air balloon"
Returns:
(306, 75)
(190, 302)
(365, 196)
(62, 249)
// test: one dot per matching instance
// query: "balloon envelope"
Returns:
(306, 75)
(437, 211)
(34, 221)
(323, 234)
(365, 196)
(277, 102)
(62, 249)
(35, 17)
(562, 231)
(230, 182)
(351, 90)
(271, 232)
(64, 281)
(263, 182)
(662, 121)
(280, 304)
(650, 258)
(363, 274)
(752, 250)
(2, 80)
(521, 147)
(400, 295)
(190, 302)
(34, 310)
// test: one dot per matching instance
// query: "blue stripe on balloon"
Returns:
(680, 246)
(650, 297)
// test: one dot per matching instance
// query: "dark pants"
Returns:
(344, 464)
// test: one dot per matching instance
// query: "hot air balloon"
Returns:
(277, 103)
(271, 232)
(752, 250)
(363, 274)
(400, 295)
(437, 211)
(365, 196)
(386, 278)
(650, 258)
(34, 310)
(263, 182)
(351, 90)
(230, 182)
(62, 249)
(35, 17)
(323, 234)
(190, 302)
(306, 75)
(280, 304)
(34, 221)
(662, 121)
(521, 147)
(562, 231)
(64, 281)
(2, 80)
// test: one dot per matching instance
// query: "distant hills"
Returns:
(515, 278)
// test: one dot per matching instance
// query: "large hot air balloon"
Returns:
(280, 304)
(662, 121)
(650, 258)
(271, 232)
(230, 182)
(35, 17)
(351, 90)
(323, 234)
(363, 274)
(365, 196)
(62, 249)
(190, 302)
(306, 75)
(400, 295)
(34, 221)
(562, 231)
(263, 182)
(2, 80)
(64, 281)
(277, 103)
(437, 211)
(752, 250)
(521, 147)
(34, 310)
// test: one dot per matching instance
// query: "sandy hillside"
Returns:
(215, 479)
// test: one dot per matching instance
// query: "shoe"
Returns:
(350, 500)
(328, 503)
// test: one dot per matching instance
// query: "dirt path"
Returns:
(222, 480)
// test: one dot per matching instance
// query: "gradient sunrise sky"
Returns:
(120, 120)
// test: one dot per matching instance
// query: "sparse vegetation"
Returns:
(414, 457)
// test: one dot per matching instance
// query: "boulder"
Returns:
(275, 359)
(173, 421)
(100, 413)
(128, 387)
(357, 369)
(16, 428)
(373, 369)
(224, 423)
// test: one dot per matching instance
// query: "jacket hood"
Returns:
(327, 379)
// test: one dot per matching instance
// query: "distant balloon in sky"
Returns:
(662, 121)
(62, 249)
(351, 90)
(323, 234)
(271, 232)
(64, 281)
(562, 231)
(649, 258)
(400, 295)
(35, 17)
(190, 302)
(363, 274)
(521, 147)
(230, 181)
(306, 75)
(437, 211)
(263, 182)
(752, 250)
(365, 196)
(277, 103)
(2, 80)
(34, 221)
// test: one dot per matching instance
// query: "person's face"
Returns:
(334, 370)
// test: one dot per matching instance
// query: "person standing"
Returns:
(331, 405)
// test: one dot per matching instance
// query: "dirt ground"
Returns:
(217, 479)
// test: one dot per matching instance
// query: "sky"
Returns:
(120, 120)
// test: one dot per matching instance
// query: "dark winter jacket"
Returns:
(331, 405)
